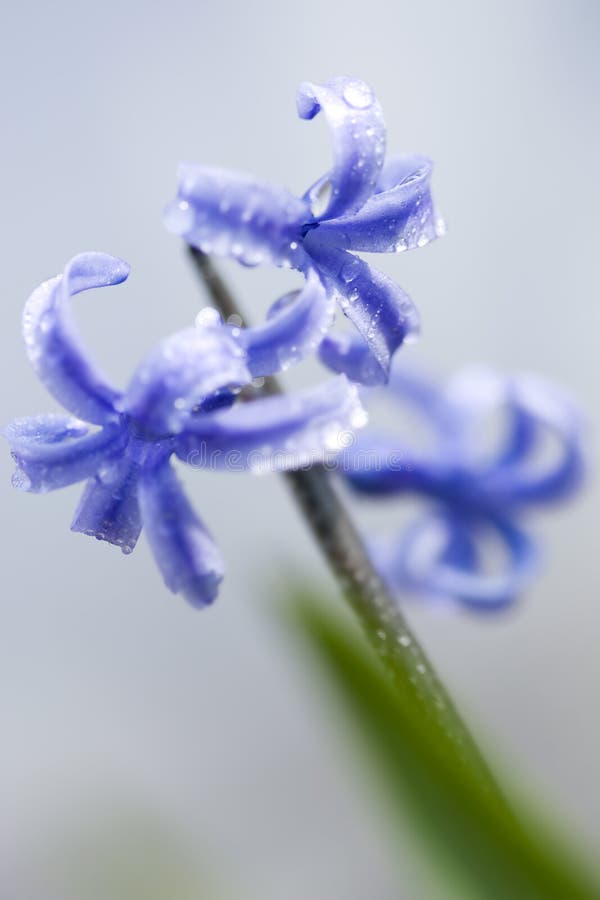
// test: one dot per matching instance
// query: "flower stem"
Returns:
(344, 549)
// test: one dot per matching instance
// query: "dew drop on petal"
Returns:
(350, 270)
(208, 317)
(319, 199)
(358, 95)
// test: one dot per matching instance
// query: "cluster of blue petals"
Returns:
(364, 203)
(182, 401)
(179, 403)
(476, 494)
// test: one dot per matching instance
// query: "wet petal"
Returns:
(231, 214)
(276, 433)
(356, 121)
(185, 553)
(399, 216)
(295, 327)
(181, 374)
(108, 509)
(381, 311)
(52, 342)
(53, 451)
(438, 556)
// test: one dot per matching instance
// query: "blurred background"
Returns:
(135, 730)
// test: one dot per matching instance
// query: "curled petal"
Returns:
(185, 553)
(356, 121)
(350, 354)
(539, 414)
(184, 372)
(230, 214)
(376, 466)
(295, 327)
(276, 433)
(438, 556)
(54, 451)
(52, 342)
(381, 311)
(399, 216)
(108, 509)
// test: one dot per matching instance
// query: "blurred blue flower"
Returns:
(363, 204)
(180, 401)
(478, 491)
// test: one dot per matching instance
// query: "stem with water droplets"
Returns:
(344, 549)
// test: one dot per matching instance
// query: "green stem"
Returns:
(377, 609)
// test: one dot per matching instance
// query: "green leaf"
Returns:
(469, 832)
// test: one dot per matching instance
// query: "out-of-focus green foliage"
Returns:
(480, 846)
(121, 855)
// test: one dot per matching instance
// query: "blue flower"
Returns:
(363, 204)
(179, 402)
(476, 496)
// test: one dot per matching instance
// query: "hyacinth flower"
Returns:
(476, 497)
(180, 402)
(364, 203)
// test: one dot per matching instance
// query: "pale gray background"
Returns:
(113, 694)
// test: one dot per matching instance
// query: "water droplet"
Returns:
(234, 319)
(404, 640)
(319, 198)
(350, 270)
(107, 472)
(179, 217)
(358, 95)
(46, 322)
(208, 317)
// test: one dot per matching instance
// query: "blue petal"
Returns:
(295, 327)
(276, 433)
(399, 216)
(553, 415)
(377, 466)
(54, 451)
(381, 311)
(184, 371)
(230, 214)
(538, 412)
(386, 463)
(356, 121)
(437, 556)
(52, 342)
(109, 509)
(185, 553)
